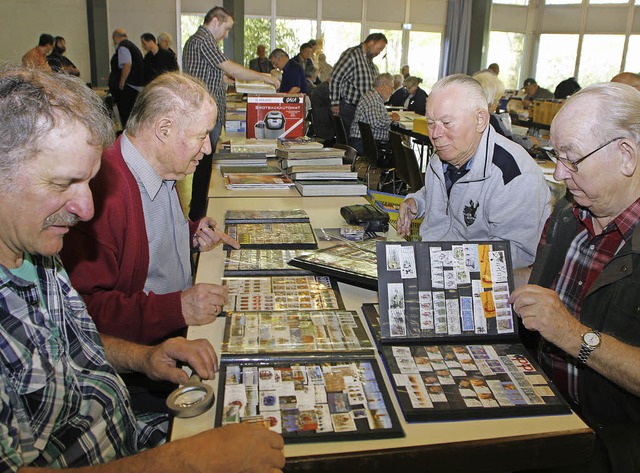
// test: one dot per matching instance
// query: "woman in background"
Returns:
(417, 99)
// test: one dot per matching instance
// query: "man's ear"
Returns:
(482, 120)
(163, 128)
(629, 157)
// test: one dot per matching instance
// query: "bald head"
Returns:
(629, 78)
(118, 35)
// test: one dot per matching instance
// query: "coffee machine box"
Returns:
(275, 116)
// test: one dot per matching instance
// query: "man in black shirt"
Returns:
(157, 60)
(57, 60)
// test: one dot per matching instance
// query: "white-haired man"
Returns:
(479, 185)
(585, 301)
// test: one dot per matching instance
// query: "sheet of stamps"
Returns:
(445, 289)
(351, 261)
(461, 381)
(283, 396)
(300, 293)
(273, 235)
(294, 332)
(272, 261)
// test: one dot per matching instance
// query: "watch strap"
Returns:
(585, 351)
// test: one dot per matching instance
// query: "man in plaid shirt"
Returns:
(202, 58)
(585, 305)
(62, 403)
(371, 110)
(353, 76)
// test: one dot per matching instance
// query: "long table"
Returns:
(496, 445)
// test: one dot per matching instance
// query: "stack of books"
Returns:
(317, 170)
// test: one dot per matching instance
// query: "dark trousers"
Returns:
(347, 112)
(202, 178)
(125, 100)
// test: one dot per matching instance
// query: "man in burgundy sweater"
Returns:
(131, 262)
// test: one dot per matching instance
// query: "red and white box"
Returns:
(275, 116)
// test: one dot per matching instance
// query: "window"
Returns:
(600, 58)
(505, 49)
(424, 56)
(594, 2)
(632, 63)
(562, 2)
(338, 36)
(512, 2)
(256, 31)
(389, 59)
(188, 25)
(290, 34)
(556, 59)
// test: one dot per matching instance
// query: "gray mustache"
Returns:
(61, 220)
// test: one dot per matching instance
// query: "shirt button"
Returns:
(624, 269)
(579, 283)
(592, 247)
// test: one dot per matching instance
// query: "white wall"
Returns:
(142, 16)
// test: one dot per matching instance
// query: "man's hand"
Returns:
(160, 361)
(335, 109)
(241, 448)
(542, 311)
(202, 303)
(269, 79)
(408, 212)
(395, 116)
(208, 236)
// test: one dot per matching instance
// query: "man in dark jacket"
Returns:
(586, 302)
(157, 60)
(127, 74)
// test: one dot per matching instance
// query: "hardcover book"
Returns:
(239, 159)
(256, 181)
(318, 188)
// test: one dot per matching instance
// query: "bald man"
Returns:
(629, 78)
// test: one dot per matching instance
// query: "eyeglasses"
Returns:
(573, 165)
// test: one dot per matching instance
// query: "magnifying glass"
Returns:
(191, 399)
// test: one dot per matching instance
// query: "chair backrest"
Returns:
(395, 139)
(415, 177)
(368, 143)
(350, 154)
(341, 133)
(402, 172)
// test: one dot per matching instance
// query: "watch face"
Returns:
(592, 339)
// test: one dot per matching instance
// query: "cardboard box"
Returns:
(275, 116)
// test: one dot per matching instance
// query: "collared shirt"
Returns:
(352, 77)
(587, 257)
(36, 58)
(61, 402)
(293, 76)
(167, 228)
(200, 58)
(371, 110)
(447, 169)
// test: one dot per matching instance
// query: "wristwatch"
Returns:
(590, 341)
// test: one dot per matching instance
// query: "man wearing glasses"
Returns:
(585, 304)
